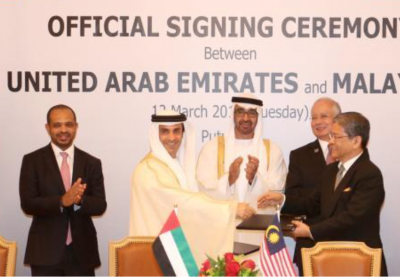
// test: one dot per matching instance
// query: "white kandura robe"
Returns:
(272, 179)
(208, 224)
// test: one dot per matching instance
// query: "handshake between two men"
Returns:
(273, 199)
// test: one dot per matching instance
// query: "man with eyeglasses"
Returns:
(242, 165)
(307, 163)
(351, 192)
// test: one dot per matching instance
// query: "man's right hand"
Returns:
(270, 199)
(244, 211)
(74, 194)
(234, 170)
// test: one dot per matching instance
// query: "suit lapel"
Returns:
(317, 154)
(345, 182)
(336, 193)
(79, 167)
(51, 162)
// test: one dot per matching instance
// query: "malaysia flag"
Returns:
(274, 256)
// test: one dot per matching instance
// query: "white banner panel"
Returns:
(117, 62)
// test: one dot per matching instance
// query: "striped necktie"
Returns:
(339, 176)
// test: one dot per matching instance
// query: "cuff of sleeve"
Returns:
(252, 184)
(311, 235)
(231, 189)
(77, 207)
(313, 232)
(283, 202)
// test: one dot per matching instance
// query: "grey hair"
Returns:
(336, 106)
(355, 124)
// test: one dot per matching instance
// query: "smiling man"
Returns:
(241, 165)
(166, 177)
(307, 162)
(62, 187)
(351, 192)
(171, 138)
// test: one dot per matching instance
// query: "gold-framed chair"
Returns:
(133, 256)
(8, 256)
(341, 258)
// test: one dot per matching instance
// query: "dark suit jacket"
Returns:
(41, 188)
(305, 169)
(306, 165)
(349, 213)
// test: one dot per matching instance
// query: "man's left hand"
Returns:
(251, 168)
(302, 230)
(79, 196)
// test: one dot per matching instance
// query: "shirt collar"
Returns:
(350, 162)
(324, 144)
(57, 150)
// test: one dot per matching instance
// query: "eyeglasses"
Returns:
(335, 137)
(252, 113)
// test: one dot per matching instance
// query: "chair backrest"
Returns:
(8, 254)
(341, 258)
(133, 256)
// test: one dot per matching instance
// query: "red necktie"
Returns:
(66, 176)
(329, 158)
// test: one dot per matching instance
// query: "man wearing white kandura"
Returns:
(166, 177)
(242, 165)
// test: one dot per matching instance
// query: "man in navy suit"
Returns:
(307, 163)
(351, 192)
(62, 187)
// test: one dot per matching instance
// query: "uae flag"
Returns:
(172, 251)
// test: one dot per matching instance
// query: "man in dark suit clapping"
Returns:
(62, 187)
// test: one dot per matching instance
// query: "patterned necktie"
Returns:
(329, 158)
(66, 177)
(339, 176)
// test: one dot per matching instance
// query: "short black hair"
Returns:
(355, 124)
(59, 107)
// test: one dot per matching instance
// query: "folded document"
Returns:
(262, 221)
